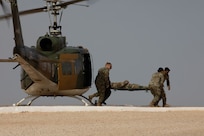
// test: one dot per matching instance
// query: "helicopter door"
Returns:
(67, 78)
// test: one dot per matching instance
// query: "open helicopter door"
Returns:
(67, 78)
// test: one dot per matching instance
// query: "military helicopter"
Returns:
(50, 68)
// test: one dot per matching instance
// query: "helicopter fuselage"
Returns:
(50, 68)
(68, 68)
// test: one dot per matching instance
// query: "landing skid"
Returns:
(19, 103)
(88, 100)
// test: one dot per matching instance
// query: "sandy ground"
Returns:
(107, 123)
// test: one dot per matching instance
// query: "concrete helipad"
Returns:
(19, 109)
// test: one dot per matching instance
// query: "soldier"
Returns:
(114, 85)
(156, 87)
(103, 84)
(166, 78)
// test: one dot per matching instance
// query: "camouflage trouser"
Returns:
(95, 95)
(103, 93)
(107, 94)
(157, 94)
(163, 97)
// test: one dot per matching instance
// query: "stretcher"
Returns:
(126, 86)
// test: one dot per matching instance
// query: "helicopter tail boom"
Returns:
(18, 37)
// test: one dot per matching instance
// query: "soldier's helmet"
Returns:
(167, 69)
(160, 69)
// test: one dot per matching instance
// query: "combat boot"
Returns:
(90, 97)
(164, 102)
(166, 105)
(151, 105)
(99, 104)
(104, 103)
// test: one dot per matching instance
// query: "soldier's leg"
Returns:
(155, 101)
(157, 96)
(107, 95)
(152, 90)
(165, 100)
(93, 95)
(163, 96)
(101, 92)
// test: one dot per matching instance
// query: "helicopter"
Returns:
(51, 68)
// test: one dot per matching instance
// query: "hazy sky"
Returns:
(137, 36)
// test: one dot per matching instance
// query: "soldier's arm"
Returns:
(168, 82)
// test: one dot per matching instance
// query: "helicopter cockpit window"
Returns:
(78, 66)
(66, 68)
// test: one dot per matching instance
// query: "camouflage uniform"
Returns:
(107, 94)
(156, 87)
(163, 95)
(119, 85)
(125, 85)
(103, 85)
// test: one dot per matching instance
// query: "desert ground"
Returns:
(103, 123)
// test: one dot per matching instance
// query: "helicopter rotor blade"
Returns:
(5, 10)
(91, 2)
(4, 7)
(31, 11)
(42, 9)
(65, 4)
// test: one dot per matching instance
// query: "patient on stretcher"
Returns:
(126, 86)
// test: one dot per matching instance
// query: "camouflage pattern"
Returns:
(119, 85)
(102, 79)
(166, 78)
(163, 95)
(156, 87)
(156, 92)
(93, 95)
(103, 84)
(125, 85)
(157, 80)
(97, 94)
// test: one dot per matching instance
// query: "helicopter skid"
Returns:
(37, 90)
(29, 103)
(80, 98)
